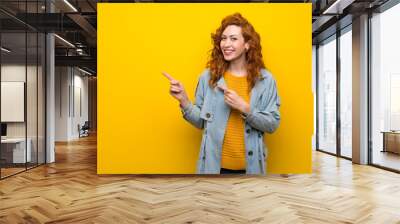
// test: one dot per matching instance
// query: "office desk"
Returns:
(13, 150)
(391, 141)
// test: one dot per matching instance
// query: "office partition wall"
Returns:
(14, 147)
(22, 64)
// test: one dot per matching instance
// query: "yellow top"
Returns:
(233, 147)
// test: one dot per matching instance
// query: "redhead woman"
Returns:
(236, 102)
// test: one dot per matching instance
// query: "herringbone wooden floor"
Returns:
(70, 191)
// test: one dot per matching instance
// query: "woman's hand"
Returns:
(234, 100)
(177, 90)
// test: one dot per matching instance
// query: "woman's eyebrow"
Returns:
(232, 35)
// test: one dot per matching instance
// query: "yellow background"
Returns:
(140, 126)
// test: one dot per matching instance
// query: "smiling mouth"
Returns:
(227, 52)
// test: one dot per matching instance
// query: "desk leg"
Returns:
(384, 142)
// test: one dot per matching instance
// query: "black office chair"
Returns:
(84, 130)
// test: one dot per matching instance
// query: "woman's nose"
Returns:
(226, 43)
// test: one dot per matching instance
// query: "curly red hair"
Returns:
(254, 60)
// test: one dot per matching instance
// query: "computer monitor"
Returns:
(3, 129)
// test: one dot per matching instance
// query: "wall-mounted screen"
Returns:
(12, 101)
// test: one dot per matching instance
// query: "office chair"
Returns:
(84, 130)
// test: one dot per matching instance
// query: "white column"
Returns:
(50, 92)
(50, 100)
(360, 90)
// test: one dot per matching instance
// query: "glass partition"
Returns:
(327, 95)
(346, 93)
(22, 77)
(385, 88)
(14, 153)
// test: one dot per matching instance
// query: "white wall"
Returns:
(80, 110)
(71, 94)
(62, 78)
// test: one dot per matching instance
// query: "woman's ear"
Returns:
(247, 46)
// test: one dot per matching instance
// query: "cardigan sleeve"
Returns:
(268, 118)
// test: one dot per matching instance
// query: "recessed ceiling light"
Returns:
(64, 40)
(5, 50)
(338, 6)
(71, 6)
(84, 71)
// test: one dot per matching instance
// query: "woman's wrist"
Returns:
(184, 103)
(246, 109)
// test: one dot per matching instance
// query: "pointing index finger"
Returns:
(223, 88)
(168, 76)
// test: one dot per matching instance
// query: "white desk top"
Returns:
(13, 140)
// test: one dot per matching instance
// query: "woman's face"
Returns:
(232, 43)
